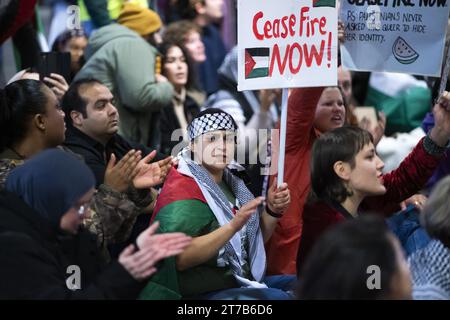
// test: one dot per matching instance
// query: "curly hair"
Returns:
(177, 32)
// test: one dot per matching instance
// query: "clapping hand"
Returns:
(151, 174)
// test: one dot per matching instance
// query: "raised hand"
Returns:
(244, 213)
(151, 174)
(120, 176)
(58, 84)
(278, 199)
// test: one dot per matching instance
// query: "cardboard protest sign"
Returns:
(404, 36)
(285, 44)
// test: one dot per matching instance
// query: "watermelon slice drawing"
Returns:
(403, 52)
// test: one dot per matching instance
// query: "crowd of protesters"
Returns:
(144, 168)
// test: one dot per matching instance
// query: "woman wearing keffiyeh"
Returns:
(203, 198)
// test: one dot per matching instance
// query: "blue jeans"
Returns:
(406, 226)
(279, 288)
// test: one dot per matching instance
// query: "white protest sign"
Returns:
(286, 44)
(404, 36)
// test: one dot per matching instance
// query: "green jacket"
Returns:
(125, 63)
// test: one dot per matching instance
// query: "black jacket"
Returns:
(34, 260)
(169, 123)
(95, 154)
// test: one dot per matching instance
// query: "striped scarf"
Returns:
(223, 212)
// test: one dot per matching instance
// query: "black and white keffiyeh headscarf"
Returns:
(430, 272)
(211, 120)
(233, 253)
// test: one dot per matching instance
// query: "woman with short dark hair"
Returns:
(206, 198)
(345, 170)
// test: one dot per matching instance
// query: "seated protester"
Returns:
(92, 125)
(176, 67)
(339, 266)
(31, 121)
(206, 200)
(40, 237)
(345, 169)
(430, 266)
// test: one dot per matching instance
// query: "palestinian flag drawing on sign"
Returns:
(324, 3)
(257, 62)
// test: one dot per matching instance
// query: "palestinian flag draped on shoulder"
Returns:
(180, 207)
(178, 190)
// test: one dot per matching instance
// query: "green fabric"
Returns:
(194, 218)
(404, 112)
(228, 193)
(125, 63)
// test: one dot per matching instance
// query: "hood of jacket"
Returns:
(106, 34)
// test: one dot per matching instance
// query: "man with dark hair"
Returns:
(92, 127)
(92, 124)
